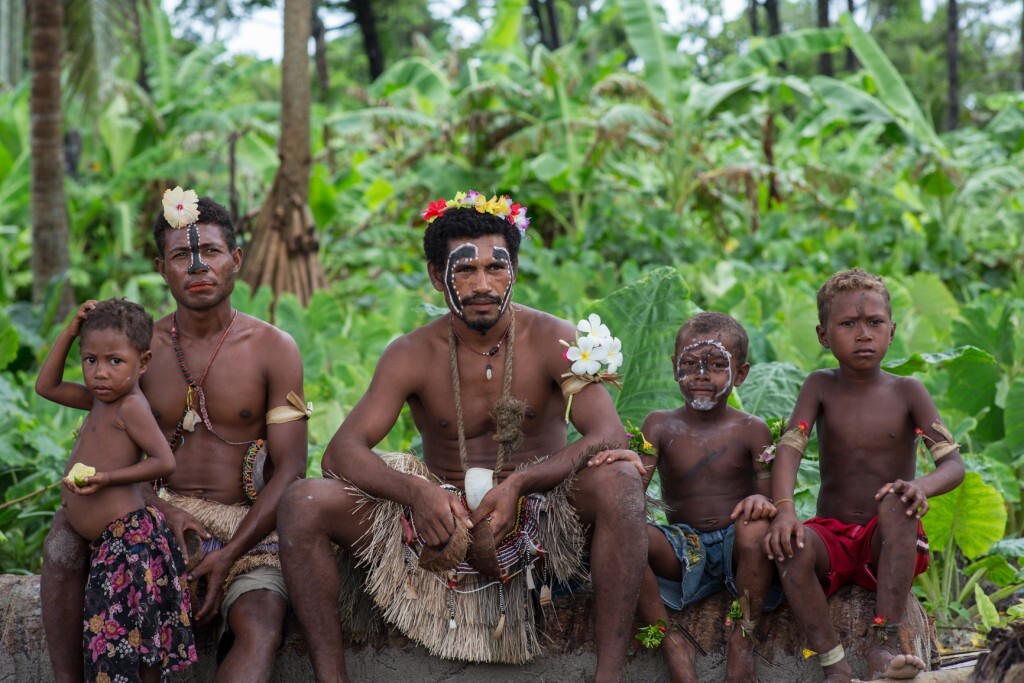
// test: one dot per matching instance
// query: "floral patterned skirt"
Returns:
(137, 607)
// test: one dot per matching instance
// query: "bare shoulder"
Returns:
(820, 378)
(270, 341)
(746, 421)
(909, 387)
(134, 406)
(658, 422)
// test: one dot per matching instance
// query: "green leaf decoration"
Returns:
(646, 316)
(973, 514)
(770, 389)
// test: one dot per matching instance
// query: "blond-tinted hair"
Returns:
(713, 321)
(853, 280)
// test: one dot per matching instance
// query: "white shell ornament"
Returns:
(188, 423)
(479, 480)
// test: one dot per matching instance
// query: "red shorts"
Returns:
(849, 552)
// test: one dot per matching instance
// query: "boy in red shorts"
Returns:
(868, 530)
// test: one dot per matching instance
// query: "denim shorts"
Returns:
(706, 559)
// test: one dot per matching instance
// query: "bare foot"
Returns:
(679, 654)
(739, 659)
(839, 672)
(882, 663)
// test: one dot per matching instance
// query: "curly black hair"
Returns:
(469, 223)
(851, 280)
(210, 213)
(124, 316)
(713, 321)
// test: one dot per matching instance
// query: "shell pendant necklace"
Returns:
(489, 353)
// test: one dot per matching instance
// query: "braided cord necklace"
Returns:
(506, 389)
(195, 389)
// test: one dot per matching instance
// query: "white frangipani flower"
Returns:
(614, 350)
(587, 356)
(594, 328)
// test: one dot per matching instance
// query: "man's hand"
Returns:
(619, 455)
(910, 493)
(214, 567)
(499, 506)
(179, 522)
(753, 508)
(785, 529)
(434, 511)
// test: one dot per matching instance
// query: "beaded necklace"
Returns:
(195, 389)
(489, 353)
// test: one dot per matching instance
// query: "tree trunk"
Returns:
(752, 18)
(284, 246)
(824, 58)
(556, 40)
(12, 27)
(771, 8)
(542, 24)
(851, 59)
(49, 210)
(140, 43)
(953, 66)
(367, 20)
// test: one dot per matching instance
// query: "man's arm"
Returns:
(286, 448)
(350, 453)
(50, 383)
(949, 467)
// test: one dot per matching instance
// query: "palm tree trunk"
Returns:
(953, 66)
(771, 8)
(50, 257)
(752, 17)
(367, 21)
(284, 247)
(824, 58)
(851, 59)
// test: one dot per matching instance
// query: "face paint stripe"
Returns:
(193, 248)
(465, 251)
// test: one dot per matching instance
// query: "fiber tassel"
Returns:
(410, 588)
(545, 596)
(499, 629)
(530, 585)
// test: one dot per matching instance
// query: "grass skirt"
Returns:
(424, 606)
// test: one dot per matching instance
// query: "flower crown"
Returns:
(181, 207)
(502, 207)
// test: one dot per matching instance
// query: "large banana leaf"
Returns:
(646, 316)
(892, 89)
(643, 21)
(973, 514)
(771, 51)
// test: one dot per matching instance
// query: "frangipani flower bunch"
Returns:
(595, 356)
(502, 207)
(181, 207)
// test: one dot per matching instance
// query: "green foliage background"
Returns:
(657, 185)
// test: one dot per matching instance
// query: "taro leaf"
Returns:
(973, 513)
(997, 570)
(770, 389)
(645, 316)
(1013, 417)
(987, 324)
(8, 341)
(1008, 547)
(986, 609)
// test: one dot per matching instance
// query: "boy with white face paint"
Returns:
(717, 499)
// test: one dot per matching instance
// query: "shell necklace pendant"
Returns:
(489, 353)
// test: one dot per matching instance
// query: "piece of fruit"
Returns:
(79, 472)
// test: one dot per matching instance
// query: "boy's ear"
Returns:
(159, 262)
(892, 333)
(822, 336)
(741, 375)
(144, 361)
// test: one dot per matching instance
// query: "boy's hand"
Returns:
(619, 455)
(910, 493)
(92, 484)
(778, 542)
(75, 326)
(179, 522)
(753, 508)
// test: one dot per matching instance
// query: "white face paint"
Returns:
(708, 361)
(461, 254)
(466, 254)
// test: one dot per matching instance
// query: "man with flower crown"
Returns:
(458, 550)
(225, 389)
